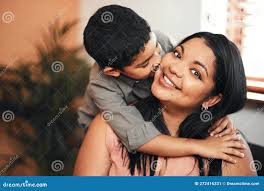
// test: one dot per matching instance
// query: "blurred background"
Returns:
(44, 71)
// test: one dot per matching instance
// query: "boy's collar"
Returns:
(130, 81)
(127, 80)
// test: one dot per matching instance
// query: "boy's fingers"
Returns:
(234, 152)
(225, 132)
(233, 137)
(220, 128)
(215, 125)
(236, 144)
(227, 158)
(230, 124)
(230, 129)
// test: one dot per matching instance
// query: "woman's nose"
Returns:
(177, 68)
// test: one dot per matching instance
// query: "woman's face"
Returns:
(186, 76)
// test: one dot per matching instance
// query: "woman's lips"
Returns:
(165, 81)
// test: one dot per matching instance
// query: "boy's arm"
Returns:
(129, 125)
(136, 134)
(213, 147)
(87, 111)
(126, 121)
(168, 146)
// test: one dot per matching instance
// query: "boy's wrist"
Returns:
(196, 146)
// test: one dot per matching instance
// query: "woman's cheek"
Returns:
(166, 59)
(192, 88)
(157, 74)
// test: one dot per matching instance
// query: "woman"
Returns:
(205, 71)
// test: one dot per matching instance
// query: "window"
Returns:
(242, 22)
(245, 28)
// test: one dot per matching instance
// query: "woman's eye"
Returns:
(177, 54)
(196, 74)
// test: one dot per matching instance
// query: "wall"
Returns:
(23, 22)
(177, 18)
(250, 120)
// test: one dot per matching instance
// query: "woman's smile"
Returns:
(177, 81)
(165, 81)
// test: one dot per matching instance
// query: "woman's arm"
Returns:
(93, 157)
(243, 167)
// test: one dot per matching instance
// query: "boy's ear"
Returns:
(111, 71)
(211, 101)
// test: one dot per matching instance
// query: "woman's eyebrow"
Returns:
(196, 61)
(202, 65)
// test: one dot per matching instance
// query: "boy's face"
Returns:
(143, 63)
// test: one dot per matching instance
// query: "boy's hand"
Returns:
(222, 127)
(221, 147)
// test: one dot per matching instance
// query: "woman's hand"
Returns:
(221, 147)
(222, 127)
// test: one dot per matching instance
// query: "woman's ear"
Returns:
(111, 71)
(211, 101)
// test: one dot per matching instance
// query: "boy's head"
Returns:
(121, 42)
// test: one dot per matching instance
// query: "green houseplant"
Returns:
(45, 93)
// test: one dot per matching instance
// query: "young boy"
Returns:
(127, 54)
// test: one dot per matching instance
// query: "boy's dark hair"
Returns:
(114, 35)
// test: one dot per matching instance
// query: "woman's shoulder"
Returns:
(243, 167)
(93, 158)
(98, 120)
(101, 126)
